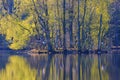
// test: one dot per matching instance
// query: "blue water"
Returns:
(59, 67)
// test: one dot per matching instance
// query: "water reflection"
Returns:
(61, 67)
(17, 69)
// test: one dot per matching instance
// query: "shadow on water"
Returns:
(61, 67)
(47, 69)
(64, 64)
(79, 57)
(99, 66)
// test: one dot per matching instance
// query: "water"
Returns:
(59, 67)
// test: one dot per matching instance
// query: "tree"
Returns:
(99, 34)
(78, 21)
(64, 24)
(42, 24)
(115, 22)
(71, 18)
(18, 27)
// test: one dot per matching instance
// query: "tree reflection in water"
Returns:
(61, 67)
(17, 69)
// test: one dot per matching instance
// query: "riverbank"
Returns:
(38, 52)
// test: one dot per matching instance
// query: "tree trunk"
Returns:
(44, 23)
(64, 24)
(78, 32)
(47, 29)
(71, 17)
(59, 29)
(89, 31)
(99, 34)
(83, 25)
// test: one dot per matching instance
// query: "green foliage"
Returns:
(94, 8)
(25, 21)
(17, 32)
(18, 27)
(17, 69)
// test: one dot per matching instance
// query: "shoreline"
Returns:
(66, 52)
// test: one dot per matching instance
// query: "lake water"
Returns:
(59, 67)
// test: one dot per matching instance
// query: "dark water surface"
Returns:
(59, 67)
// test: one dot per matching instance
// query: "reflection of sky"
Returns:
(102, 67)
(3, 60)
